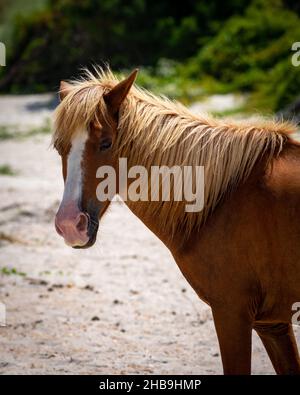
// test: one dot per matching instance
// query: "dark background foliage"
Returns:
(232, 45)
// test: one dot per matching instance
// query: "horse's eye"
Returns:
(105, 144)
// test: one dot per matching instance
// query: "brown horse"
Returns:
(241, 253)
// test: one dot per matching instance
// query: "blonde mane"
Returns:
(157, 131)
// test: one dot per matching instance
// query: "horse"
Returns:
(241, 252)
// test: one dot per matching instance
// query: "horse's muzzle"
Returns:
(73, 225)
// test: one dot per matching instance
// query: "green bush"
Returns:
(54, 40)
(215, 46)
(253, 53)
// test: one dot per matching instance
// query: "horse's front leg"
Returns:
(234, 331)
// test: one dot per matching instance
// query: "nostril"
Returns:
(82, 222)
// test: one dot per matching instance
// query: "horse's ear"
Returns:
(64, 89)
(117, 94)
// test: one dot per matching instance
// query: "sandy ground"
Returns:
(120, 307)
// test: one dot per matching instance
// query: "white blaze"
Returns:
(73, 184)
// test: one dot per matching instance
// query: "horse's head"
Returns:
(88, 147)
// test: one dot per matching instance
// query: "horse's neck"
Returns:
(170, 240)
(138, 153)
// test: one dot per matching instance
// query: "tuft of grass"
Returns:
(45, 272)
(6, 170)
(6, 271)
(44, 129)
(8, 133)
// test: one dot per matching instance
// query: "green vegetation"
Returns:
(9, 132)
(6, 170)
(252, 53)
(6, 133)
(185, 52)
(43, 129)
(166, 78)
(11, 271)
